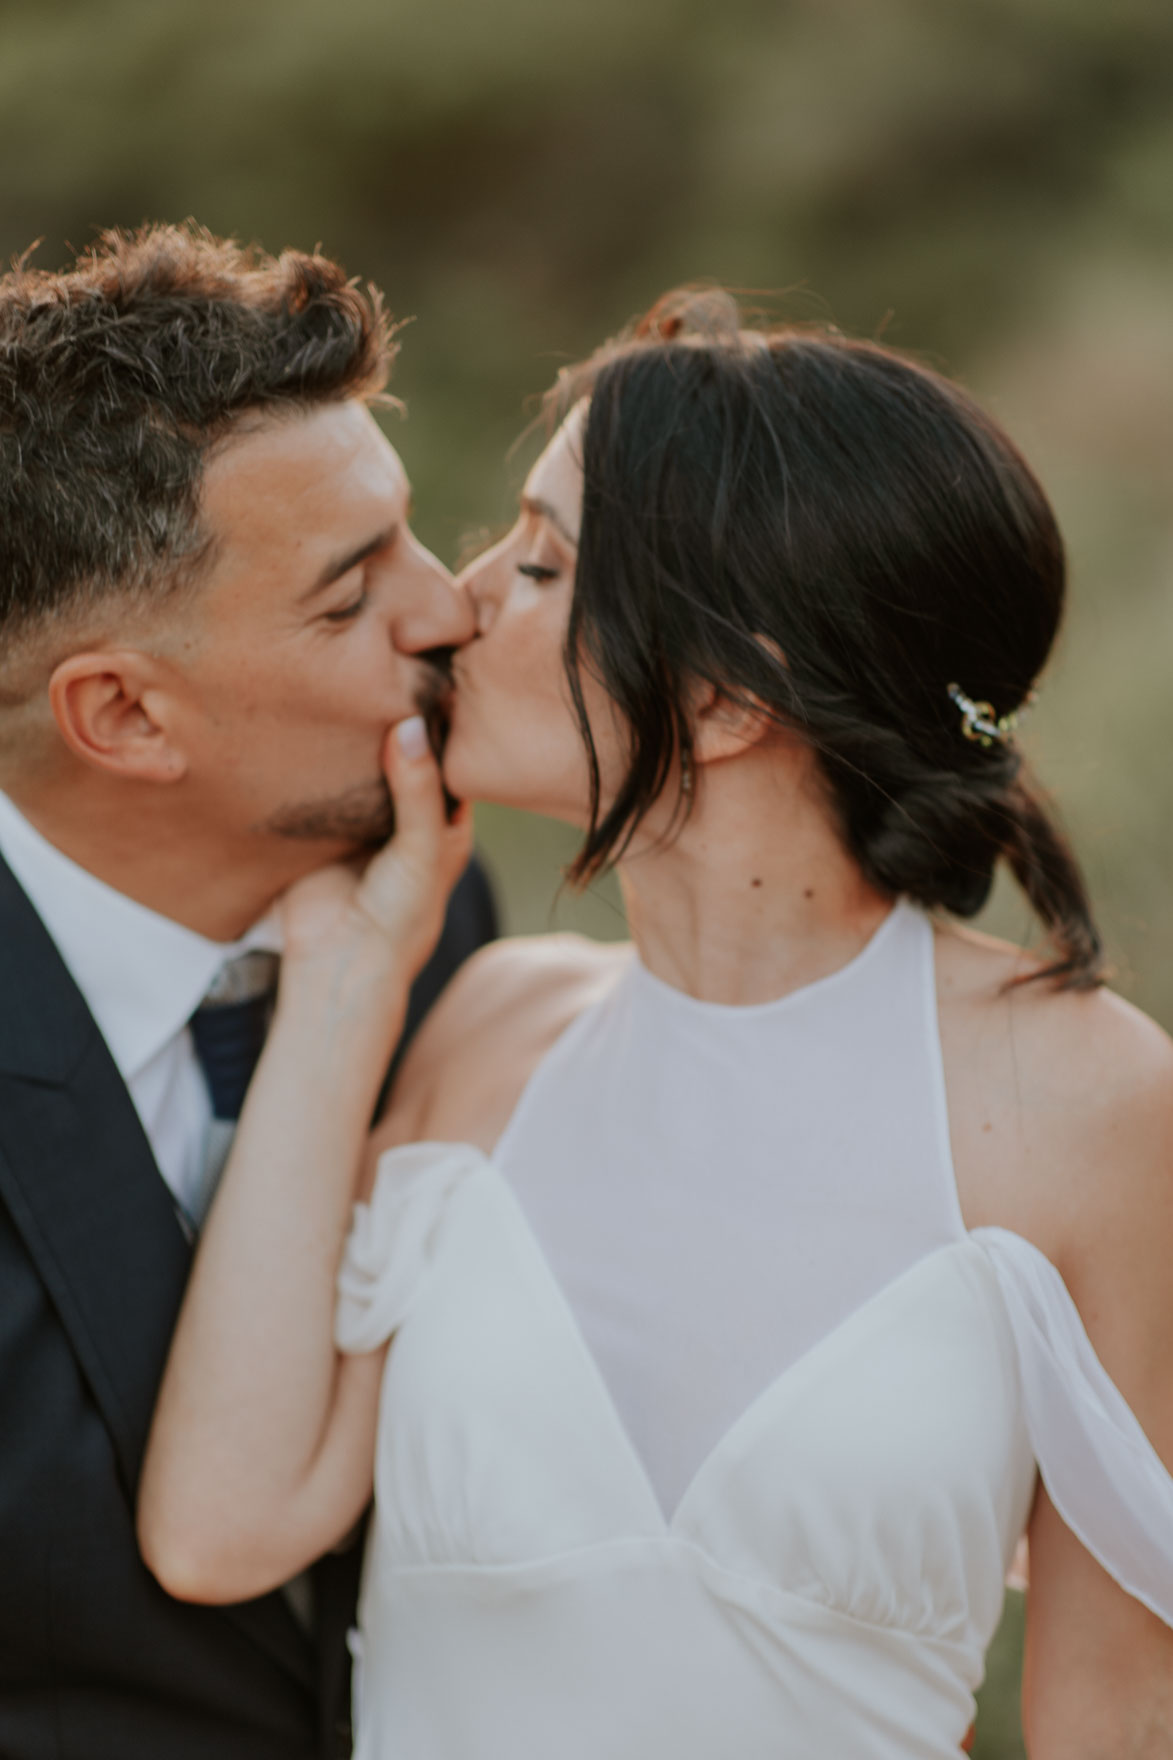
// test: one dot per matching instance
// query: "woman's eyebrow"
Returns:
(543, 509)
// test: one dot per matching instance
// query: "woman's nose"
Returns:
(484, 610)
(459, 613)
(481, 581)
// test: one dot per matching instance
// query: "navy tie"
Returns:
(229, 1028)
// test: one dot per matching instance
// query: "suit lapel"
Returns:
(80, 1181)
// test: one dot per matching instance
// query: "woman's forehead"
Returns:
(554, 485)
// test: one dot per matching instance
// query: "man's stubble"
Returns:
(364, 816)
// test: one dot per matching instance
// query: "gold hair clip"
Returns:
(981, 723)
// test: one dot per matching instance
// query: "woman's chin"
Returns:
(473, 785)
(460, 779)
(475, 772)
(486, 787)
(474, 782)
(471, 774)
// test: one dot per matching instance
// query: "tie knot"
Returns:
(229, 1027)
(240, 979)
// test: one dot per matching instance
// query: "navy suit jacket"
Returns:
(96, 1662)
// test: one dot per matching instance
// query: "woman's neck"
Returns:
(756, 896)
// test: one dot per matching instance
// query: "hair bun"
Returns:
(938, 842)
(697, 314)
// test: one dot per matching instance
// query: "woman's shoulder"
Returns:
(1078, 1055)
(501, 1012)
(1061, 1112)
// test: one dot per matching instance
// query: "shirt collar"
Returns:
(142, 975)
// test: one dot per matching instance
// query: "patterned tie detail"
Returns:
(229, 1028)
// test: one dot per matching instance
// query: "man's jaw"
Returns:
(363, 817)
(355, 819)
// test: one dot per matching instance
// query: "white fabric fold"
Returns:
(841, 1589)
(1101, 1472)
(392, 1237)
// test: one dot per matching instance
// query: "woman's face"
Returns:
(514, 738)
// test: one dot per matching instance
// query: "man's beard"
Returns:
(363, 817)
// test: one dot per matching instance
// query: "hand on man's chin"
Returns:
(363, 817)
(360, 818)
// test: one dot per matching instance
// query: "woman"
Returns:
(738, 1280)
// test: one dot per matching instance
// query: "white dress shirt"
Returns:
(142, 977)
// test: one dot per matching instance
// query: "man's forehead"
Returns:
(314, 465)
(294, 431)
(285, 502)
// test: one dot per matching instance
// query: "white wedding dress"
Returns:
(707, 1430)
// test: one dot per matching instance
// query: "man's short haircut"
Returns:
(118, 376)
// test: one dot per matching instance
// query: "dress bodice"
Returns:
(829, 1576)
(717, 1187)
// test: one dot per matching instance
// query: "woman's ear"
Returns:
(723, 728)
(111, 709)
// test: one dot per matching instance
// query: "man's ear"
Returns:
(111, 709)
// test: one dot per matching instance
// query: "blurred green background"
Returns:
(987, 182)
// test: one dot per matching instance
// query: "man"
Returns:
(212, 608)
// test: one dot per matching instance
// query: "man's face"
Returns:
(309, 630)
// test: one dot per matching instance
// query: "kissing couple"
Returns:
(708, 1317)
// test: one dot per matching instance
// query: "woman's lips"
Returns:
(437, 719)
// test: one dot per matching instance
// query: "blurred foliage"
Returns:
(987, 182)
(984, 181)
(999, 1734)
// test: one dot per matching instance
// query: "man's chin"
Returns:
(360, 818)
(364, 817)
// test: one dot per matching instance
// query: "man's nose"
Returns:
(440, 613)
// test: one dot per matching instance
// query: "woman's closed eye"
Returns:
(537, 571)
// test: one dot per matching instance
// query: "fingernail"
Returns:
(412, 736)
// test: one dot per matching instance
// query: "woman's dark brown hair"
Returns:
(829, 530)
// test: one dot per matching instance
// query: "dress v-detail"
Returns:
(816, 1574)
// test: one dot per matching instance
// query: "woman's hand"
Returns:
(262, 1447)
(393, 905)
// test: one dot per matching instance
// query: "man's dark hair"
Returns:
(828, 531)
(117, 377)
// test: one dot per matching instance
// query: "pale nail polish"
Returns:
(412, 736)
